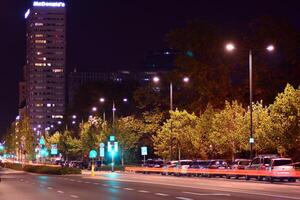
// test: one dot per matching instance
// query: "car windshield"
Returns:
(245, 162)
(282, 162)
(185, 163)
(204, 163)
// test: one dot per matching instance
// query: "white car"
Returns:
(281, 168)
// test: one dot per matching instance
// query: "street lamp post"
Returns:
(270, 48)
(185, 80)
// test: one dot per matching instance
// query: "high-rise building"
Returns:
(45, 63)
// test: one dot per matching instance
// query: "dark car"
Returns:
(238, 164)
(217, 164)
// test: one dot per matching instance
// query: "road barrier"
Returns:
(220, 172)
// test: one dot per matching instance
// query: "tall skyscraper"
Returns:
(45, 63)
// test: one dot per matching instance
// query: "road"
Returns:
(112, 186)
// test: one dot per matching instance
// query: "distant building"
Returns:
(77, 79)
(160, 60)
(45, 63)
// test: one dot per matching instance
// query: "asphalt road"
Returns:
(113, 186)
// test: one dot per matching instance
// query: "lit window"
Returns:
(39, 35)
(49, 64)
(40, 41)
(39, 24)
(40, 64)
(57, 116)
(57, 70)
(38, 53)
(48, 105)
(39, 105)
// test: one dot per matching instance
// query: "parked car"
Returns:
(182, 167)
(261, 162)
(281, 168)
(154, 163)
(238, 164)
(218, 164)
(168, 166)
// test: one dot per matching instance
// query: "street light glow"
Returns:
(186, 79)
(125, 100)
(94, 109)
(230, 47)
(74, 116)
(270, 48)
(155, 79)
(102, 100)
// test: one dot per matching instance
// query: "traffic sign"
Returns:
(102, 145)
(144, 151)
(54, 149)
(112, 138)
(251, 140)
(101, 151)
(93, 154)
(42, 141)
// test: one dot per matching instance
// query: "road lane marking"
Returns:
(207, 194)
(96, 183)
(117, 187)
(183, 198)
(79, 181)
(129, 189)
(104, 185)
(74, 196)
(143, 191)
(50, 188)
(59, 191)
(87, 182)
(72, 180)
(162, 194)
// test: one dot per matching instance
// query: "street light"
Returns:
(94, 109)
(185, 80)
(230, 47)
(102, 100)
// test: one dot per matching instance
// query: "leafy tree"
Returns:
(69, 145)
(128, 133)
(229, 135)
(285, 112)
(177, 135)
(203, 128)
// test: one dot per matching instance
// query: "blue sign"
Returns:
(112, 138)
(93, 154)
(54, 149)
(1, 147)
(42, 141)
(144, 151)
(101, 152)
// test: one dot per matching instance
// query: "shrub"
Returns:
(42, 169)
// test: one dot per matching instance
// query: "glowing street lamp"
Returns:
(94, 109)
(230, 47)
(156, 79)
(102, 100)
(186, 79)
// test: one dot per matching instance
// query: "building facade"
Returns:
(45, 63)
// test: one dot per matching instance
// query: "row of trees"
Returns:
(214, 133)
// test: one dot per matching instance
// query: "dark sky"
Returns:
(107, 34)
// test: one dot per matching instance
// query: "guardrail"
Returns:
(222, 172)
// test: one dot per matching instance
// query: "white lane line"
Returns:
(74, 196)
(50, 188)
(117, 187)
(59, 191)
(183, 198)
(129, 189)
(96, 183)
(207, 194)
(104, 185)
(162, 194)
(143, 191)
(72, 180)
(87, 182)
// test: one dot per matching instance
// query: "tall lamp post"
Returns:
(231, 47)
(185, 79)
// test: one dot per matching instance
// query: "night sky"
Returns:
(116, 34)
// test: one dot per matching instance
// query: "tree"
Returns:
(128, 133)
(92, 133)
(177, 135)
(203, 128)
(69, 145)
(229, 133)
(285, 113)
